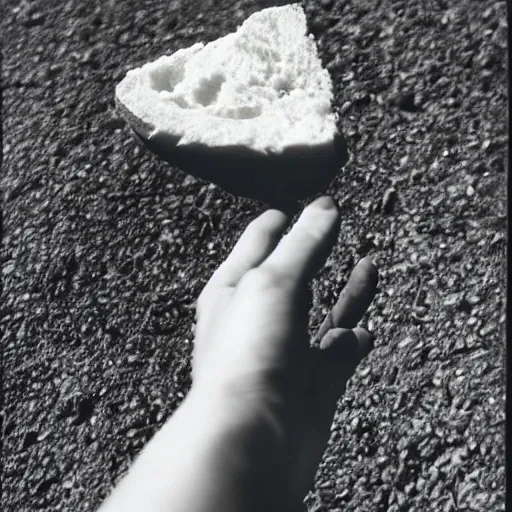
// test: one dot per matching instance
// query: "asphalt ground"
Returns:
(106, 248)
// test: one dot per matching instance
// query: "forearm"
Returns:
(204, 459)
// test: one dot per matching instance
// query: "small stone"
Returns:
(434, 354)
(347, 77)
(485, 331)
(452, 300)
(343, 494)
(43, 436)
(365, 371)
(470, 191)
(420, 484)
(437, 381)
(405, 342)
(354, 423)
(326, 485)
(388, 200)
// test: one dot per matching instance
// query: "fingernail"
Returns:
(325, 202)
(371, 268)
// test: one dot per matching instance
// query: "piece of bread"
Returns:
(250, 111)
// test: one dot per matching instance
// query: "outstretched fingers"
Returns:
(303, 251)
(256, 243)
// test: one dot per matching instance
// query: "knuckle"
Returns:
(263, 278)
(256, 279)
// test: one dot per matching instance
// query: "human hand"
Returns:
(252, 430)
(252, 344)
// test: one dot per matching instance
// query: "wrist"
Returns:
(245, 439)
(248, 409)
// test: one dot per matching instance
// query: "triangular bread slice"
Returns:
(250, 111)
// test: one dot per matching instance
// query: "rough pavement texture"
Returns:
(105, 249)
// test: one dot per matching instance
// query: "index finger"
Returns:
(301, 253)
(256, 243)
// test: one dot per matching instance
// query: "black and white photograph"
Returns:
(254, 255)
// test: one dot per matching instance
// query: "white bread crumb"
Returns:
(262, 87)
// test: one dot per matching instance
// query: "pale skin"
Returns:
(251, 432)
